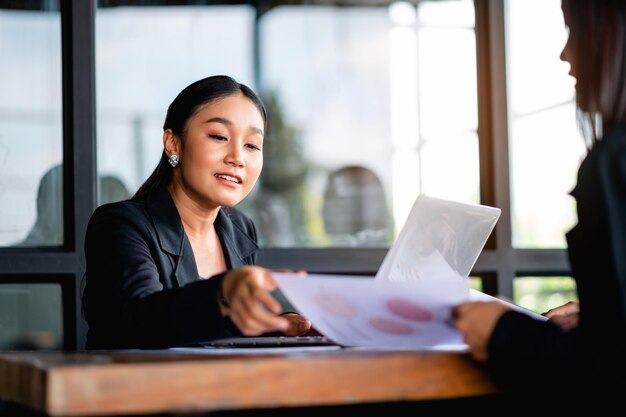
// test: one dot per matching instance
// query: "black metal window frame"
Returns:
(65, 265)
(497, 265)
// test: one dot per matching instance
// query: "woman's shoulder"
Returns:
(610, 152)
(134, 210)
(614, 139)
(114, 221)
(122, 206)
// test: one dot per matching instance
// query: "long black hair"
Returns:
(598, 43)
(184, 107)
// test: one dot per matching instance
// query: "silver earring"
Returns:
(173, 160)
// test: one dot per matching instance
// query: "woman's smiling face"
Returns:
(222, 156)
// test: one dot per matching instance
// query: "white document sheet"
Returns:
(481, 296)
(361, 311)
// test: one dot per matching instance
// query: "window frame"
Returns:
(65, 265)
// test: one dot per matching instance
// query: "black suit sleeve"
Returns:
(522, 349)
(613, 180)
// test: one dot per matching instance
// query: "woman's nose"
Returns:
(235, 156)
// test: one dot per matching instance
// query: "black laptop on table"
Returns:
(270, 341)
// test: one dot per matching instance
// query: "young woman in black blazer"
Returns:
(174, 265)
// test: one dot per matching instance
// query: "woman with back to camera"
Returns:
(588, 356)
(174, 265)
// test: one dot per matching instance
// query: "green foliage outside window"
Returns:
(540, 294)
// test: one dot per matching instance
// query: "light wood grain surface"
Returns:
(129, 382)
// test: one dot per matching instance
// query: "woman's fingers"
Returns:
(254, 318)
(251, 325)
(298, 325)
(568, 308)
(252, 308)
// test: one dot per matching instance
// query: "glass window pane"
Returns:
(545, 152)
(366, 91)
(449, 167)
(540, 294)
(30, 125)
(135, 85)
(476, 283)
(345, 120)
(545, 144)
(31, 316)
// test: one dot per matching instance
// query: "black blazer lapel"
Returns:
(239, 248)
(172, 238)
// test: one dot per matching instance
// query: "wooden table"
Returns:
(142, 382)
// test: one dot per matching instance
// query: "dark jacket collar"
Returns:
(237, 244)
(166, 219)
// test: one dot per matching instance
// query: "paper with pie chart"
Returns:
(365, 312)
(408, 304)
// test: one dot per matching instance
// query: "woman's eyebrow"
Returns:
(256, 130)
(229, 123)
(219, 120)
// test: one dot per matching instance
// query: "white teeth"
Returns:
(228, 177)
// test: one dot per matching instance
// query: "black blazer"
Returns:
(524, 351)
(142, 287)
